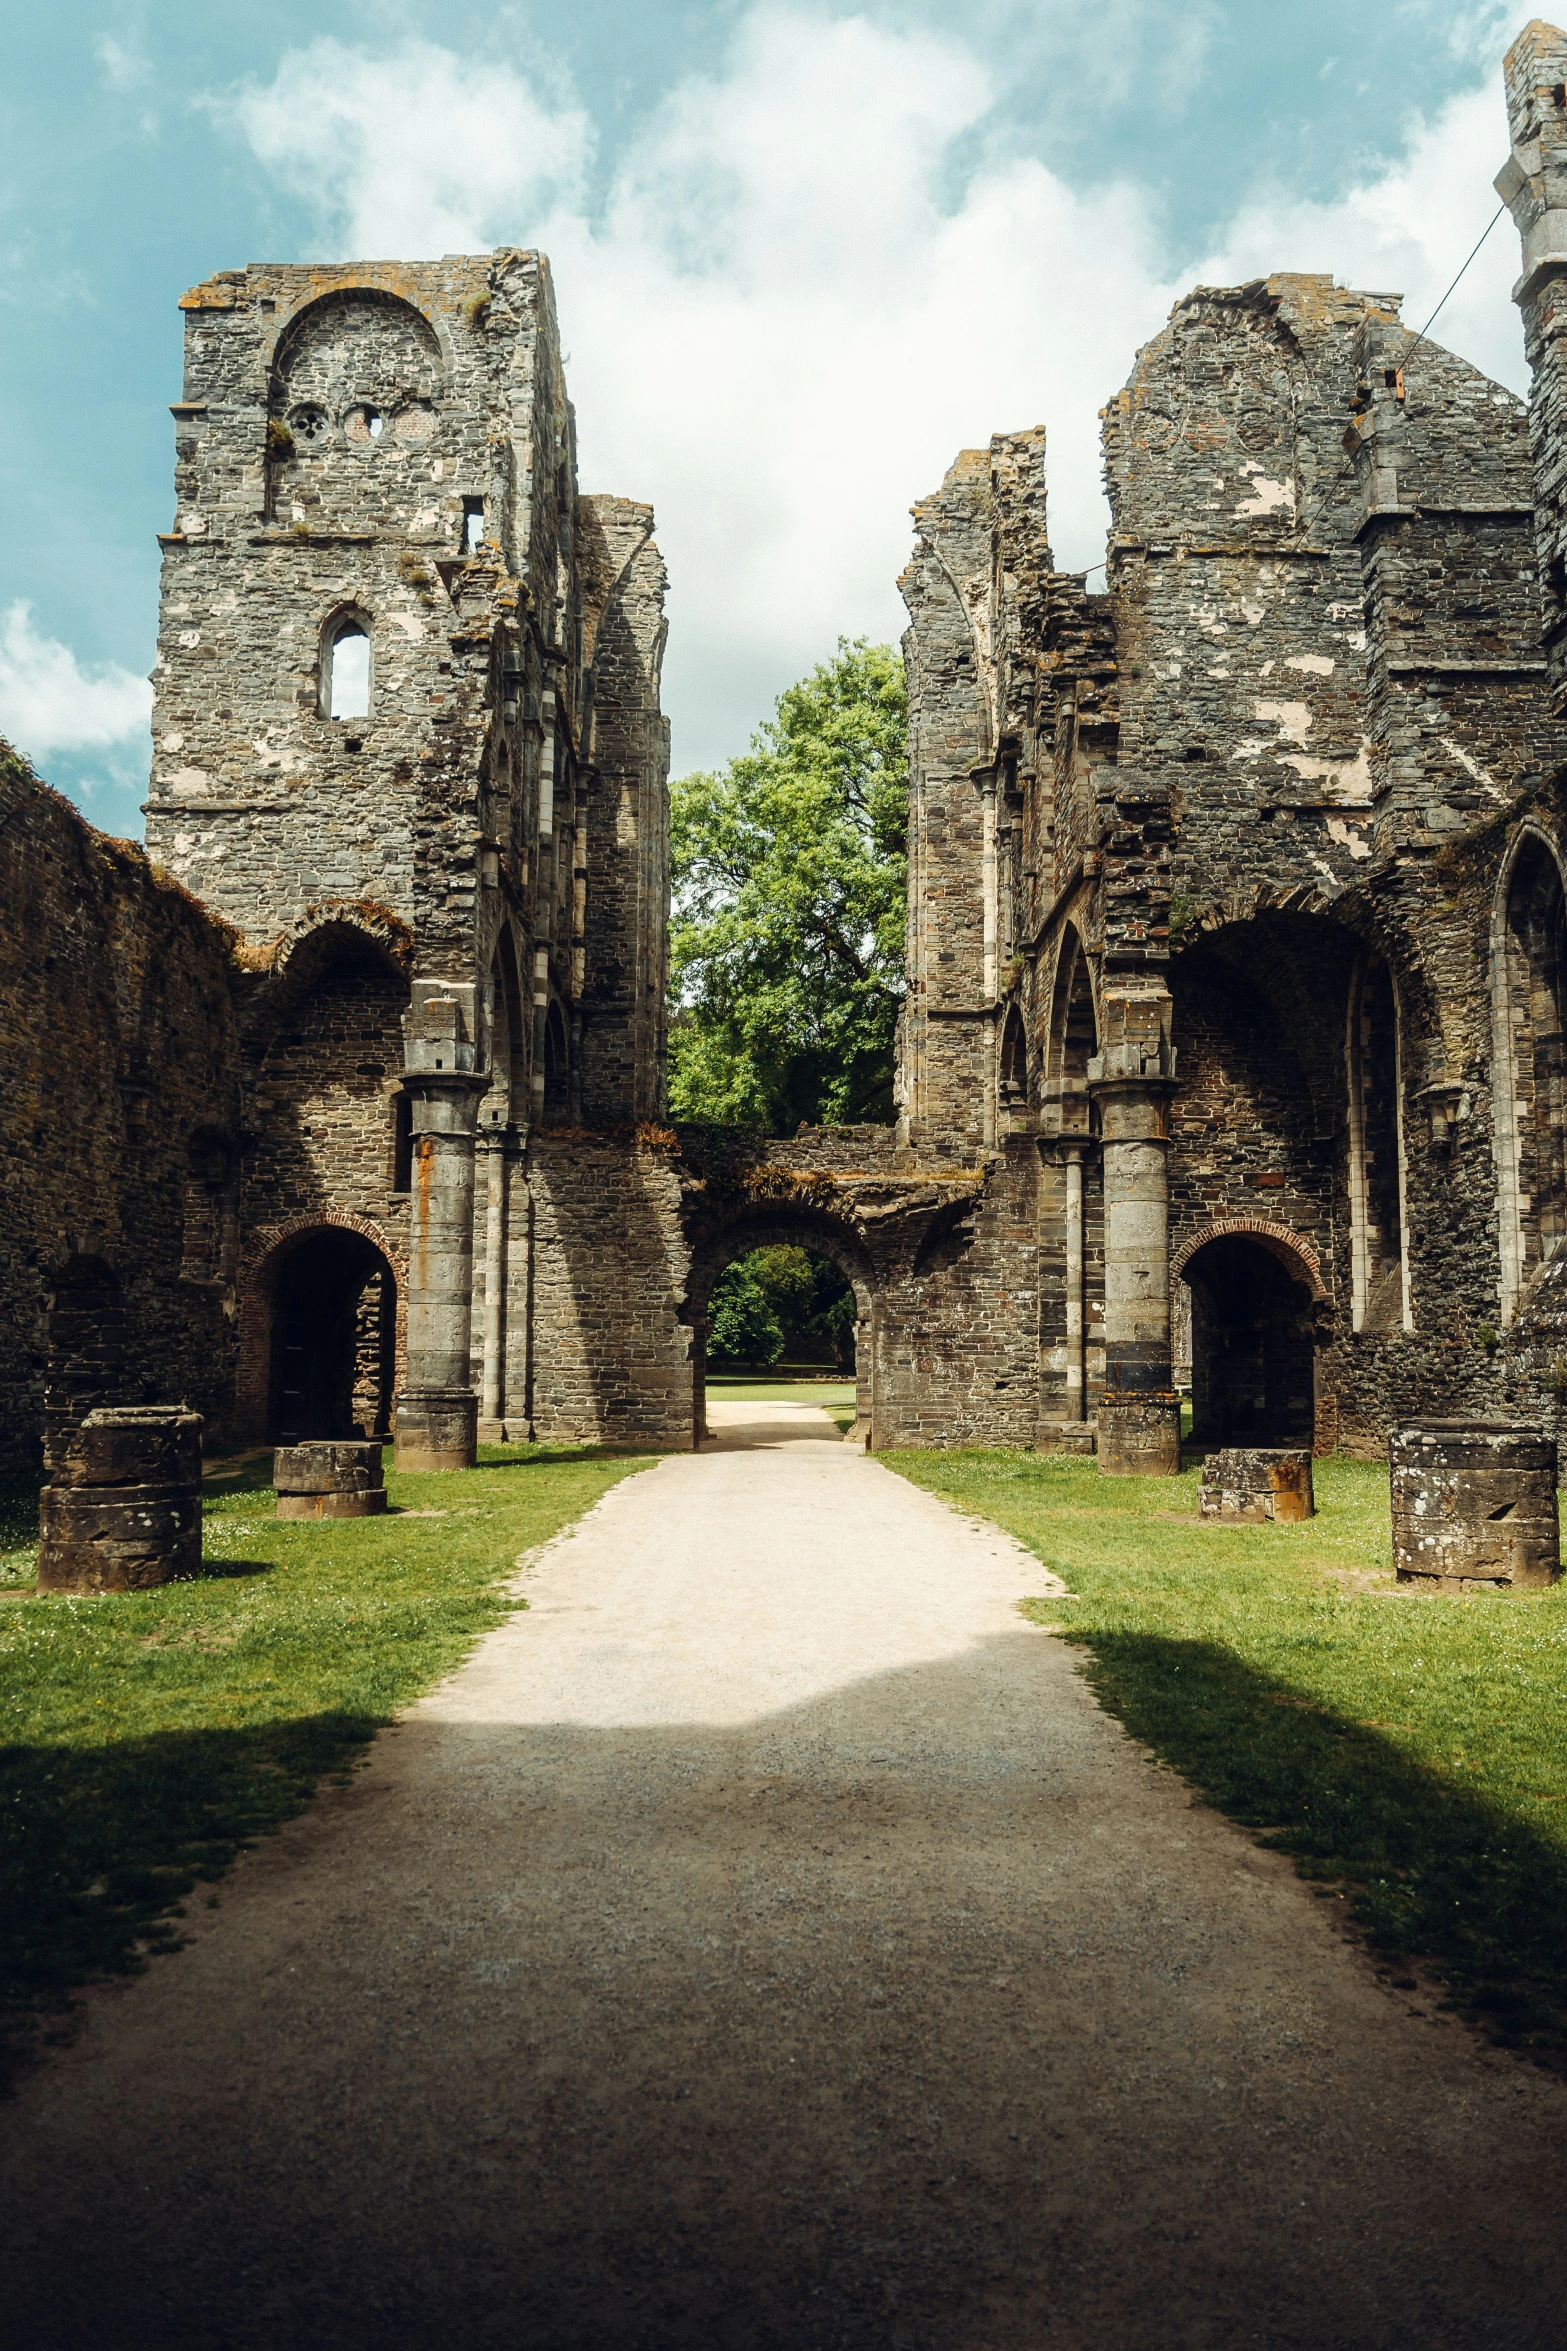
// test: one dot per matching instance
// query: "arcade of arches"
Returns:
(1232, 1053)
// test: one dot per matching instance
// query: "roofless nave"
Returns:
(1233, 1035)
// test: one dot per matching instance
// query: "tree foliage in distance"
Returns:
(786, 946)
(741, 1325)
(781, 1302)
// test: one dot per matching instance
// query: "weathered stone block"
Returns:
(1138, 1433)
(1247, 1485)
(365, 1502)
(132, 1445)
(117, 1538)
(124, 1532)
(342, 1466)
(1474, 1501)
(437, 1428)
(342, 1478)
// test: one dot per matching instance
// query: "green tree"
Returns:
(788, 881)
(741, 1325)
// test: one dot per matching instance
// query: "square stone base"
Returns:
(1139, 1433)
(437, 1428)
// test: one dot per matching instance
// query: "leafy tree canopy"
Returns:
(786, 944)
(781, 1301)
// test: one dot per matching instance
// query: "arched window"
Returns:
(345, 670)
(1014, 1061)
(1379, 1288)
(1531, 1088)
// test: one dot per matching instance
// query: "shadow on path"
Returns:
(919, 2017)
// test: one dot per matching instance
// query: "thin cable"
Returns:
(1409, 349)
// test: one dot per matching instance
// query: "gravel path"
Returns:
(763, 1943)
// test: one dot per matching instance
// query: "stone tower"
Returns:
(407, 742)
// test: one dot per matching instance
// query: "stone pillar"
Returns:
(123, 1510)
(1073, 1151)
(492, 1146)
(437, 1411)
(1131, 1080)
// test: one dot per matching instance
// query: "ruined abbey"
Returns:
(1232, 1055)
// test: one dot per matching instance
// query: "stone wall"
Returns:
(118, 1126)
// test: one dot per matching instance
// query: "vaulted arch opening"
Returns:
(782, 1301)
(334, 1338)
(1531, 1015)
(1253, 1354)
(1071, 1329)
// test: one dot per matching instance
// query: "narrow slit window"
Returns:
(402, 1142)
(348, 673)
(472, 522)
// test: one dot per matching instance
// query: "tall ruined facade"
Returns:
(409, 759)
(1234, 1050)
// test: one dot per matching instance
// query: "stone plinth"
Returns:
(1474, 1501)
(1076, 1436)
(1138, 1433)
(1247, 1485)
(437, 1428)
(341, 1479)
(123, 1510)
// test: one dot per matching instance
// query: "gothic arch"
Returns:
(266, 1253)
(1072, 1038)
(1529, 1058)
(1378, 1214)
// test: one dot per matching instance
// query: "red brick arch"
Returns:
(253, 1295)
(1299, 1256)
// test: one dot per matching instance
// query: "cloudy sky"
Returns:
(804, 253)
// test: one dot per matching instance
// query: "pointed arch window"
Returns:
(345, 669)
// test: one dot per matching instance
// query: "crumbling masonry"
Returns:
(1233, 1047)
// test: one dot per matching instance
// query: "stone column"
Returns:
(1131, 1080)
(437, 1411)
(492, 1142)
(1073, 1151)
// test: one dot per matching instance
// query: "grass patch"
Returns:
(147, 1737)
(1407, 1752)
(834, 1397)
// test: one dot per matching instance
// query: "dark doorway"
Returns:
(334, 1332)
(1253, 1366)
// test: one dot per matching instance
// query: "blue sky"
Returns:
(803, 254)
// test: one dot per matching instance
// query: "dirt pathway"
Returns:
(765, 1942)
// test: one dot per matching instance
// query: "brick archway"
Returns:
(254, 1288)
(1297, 1253)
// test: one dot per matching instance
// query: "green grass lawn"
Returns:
(148, 1736)
(1410, 1753)
(834, 1397)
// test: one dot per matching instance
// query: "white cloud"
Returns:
(1406, 230)
(50, 703)
(807, 286)
(123, 64)
(414, 154)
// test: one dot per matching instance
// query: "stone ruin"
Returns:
(1231, 1054)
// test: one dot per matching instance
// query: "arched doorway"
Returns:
(1253, 1354)
(334, 1336)
(789, 1285)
